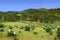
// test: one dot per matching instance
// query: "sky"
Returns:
(19, 5)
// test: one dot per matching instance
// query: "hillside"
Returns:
(42, 15)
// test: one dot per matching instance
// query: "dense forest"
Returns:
(41, 15)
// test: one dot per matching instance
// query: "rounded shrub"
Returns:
(11, 33)
(48, 29)
(10, 27)
(50, 33)
(35, 33)
(1, 25)
(27, 28)
(1, 30)
(16, 26)
(52, 21)
(19, 31)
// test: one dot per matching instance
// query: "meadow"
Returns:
(36, 30)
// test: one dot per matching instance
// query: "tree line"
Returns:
(41, 15)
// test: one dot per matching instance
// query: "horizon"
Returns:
(25, 9)
(19, 5)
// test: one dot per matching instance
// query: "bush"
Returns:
(50, 33)
(11, 33)
(1, 25)
(19, 31)
(35, 33)
(27, 28)
(52, 22)
(1, 30)
(48, 29)
(10, 27)
(58, 32)
(57, 37)
(16, 26)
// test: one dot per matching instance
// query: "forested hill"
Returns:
(42, 15)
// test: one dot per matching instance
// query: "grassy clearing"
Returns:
(24, 35)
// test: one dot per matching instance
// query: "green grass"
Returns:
(41, 33)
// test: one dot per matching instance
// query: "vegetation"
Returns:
(1, 25)
(42, 15)
(1, 30)
(48, 29)
(10, 27)
(44, 30)
(11, 33)
(27, 28)
(35, 32)
(30, 23)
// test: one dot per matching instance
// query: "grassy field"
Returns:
(29, 35)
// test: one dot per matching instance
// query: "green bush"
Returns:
(10, 27)
(48, 29)
(19, 31)
(27, 28)
(58, 33)
(52, 21)
(11, 33)
(1, 30)
(16, 26)
(50, 33)
(1, 25)
(35, 33)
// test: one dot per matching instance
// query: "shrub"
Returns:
(10, 27)
(11, 33)
(1, 30)
(58, 32)
(1, 25)
(14, 34)
(35, 33)
(48, 29)
(57, 37)
(19, 31)
(52, 21)
(50, 33)
(16, 26)
(27, 28)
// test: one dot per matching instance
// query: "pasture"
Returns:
(35, 33)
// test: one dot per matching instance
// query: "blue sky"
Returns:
(18, 5)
